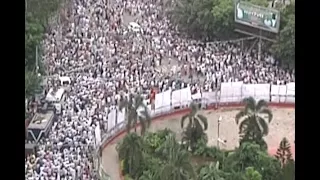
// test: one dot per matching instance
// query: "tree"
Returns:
(130, 150)
(284, 152)
(151, 167)
(284, 49)
(212, 172)
(37, 15)
(154, 140)
(252, 174)
(147, 175)
(288, 171)
(34, 33)
(195, 119)
(251, 155)
(167, 148)
(206, 19)
(136, 111)
(31, 83)
(253, 125)
(178, 165)
(196, 126)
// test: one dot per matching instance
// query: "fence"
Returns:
(171, 101)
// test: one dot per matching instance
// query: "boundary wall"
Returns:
(175, 102)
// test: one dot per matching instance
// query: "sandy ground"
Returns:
(282, 125)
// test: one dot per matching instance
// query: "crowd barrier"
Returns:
(170, 102)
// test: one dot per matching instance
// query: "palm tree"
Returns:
(131, 151)
(167, 148)
(195, 119)
(253, 125)
(191, 137)
(136, 111)
(196, 126)
(178, 166)
(212, 172)
(148, 175)
(284, 152)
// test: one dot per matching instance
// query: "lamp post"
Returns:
(219, 121)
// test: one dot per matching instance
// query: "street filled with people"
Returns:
(112, 49)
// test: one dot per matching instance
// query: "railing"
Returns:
(205, 103)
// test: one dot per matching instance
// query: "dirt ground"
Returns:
(282, 125)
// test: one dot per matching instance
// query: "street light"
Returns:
(219, 121)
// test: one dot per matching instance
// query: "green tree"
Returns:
(235, 176)
(253, 125)
(196, 120)
(288, 171)
(212, 172)
(131, 151)
(136, 112)
(284, 152)
(148, 175)
(37, 15)
(194, 131)
(251, 155)
(154, 140)
(178, 166)
(284, 49)
(31, 83)
(167, 148)
(206, 19)
(34, 33)
(252, 174)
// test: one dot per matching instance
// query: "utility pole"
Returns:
(37, 66)
(218, 139)
(259, 46)
(241, 54)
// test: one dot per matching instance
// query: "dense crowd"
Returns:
(107, 59)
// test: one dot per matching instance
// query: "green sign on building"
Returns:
(256, 16)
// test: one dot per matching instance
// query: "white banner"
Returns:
(209, 97)
(97, 133)
(262, 91)
(176, 98)
(231, 92)
(186, 96)
(112, 117)
(291, 92)
(158, 103)
(278, 93)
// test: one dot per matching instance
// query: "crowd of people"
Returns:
(107, 60)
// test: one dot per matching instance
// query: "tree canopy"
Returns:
(284, 49)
